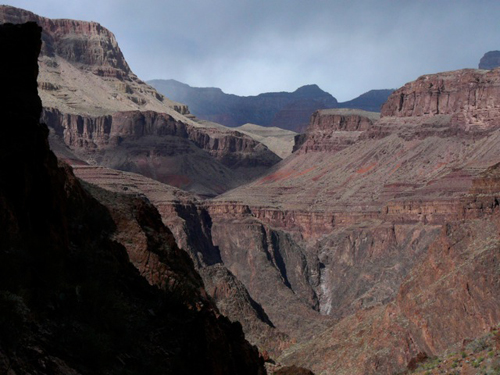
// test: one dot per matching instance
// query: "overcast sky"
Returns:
(247, 47)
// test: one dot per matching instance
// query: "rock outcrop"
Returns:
(104, 114)
(73, 300)
(332, 130)
(207, 161)
(340, 231)
(470, 97)
(83, 71)
(490, 60)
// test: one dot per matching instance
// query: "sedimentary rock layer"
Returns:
(73, 301)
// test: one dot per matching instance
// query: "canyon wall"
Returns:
(470, 96)
(207, 161)
(73, 300)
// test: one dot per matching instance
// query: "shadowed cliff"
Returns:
(71, 300)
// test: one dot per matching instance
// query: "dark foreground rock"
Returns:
(71, 300)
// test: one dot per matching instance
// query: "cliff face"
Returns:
(83, 71)
(339, 228)
(334, 129)
(470, 97)
(344, 229)
(104, 114)
(71, 300)
(205, 160)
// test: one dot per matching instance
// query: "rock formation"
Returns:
(342, 225)
(207, 161)
(490, 60)
(286, 110)
(73, 300)
(470, 97)
(94, 103)
(378, 237)
(334, 129)
(370, 101)
(290, 111)
(340, 228)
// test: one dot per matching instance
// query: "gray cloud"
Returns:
(251, 46)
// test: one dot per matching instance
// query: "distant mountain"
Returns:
(370, 101)
(286, 110)
(490, 60)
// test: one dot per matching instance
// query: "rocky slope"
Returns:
(490, 60)
(93, 102)
(342, 225)
(207, 161)
(346, 229)
(73, 299)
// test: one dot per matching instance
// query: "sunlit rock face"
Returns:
(101, 113)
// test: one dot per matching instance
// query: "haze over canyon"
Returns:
(281, 233)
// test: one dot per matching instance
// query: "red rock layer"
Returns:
(472, 97)
(86, 43)
(71, 302)
(206, 160)
(332, 130)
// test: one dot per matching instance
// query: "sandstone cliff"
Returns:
(339, 230)
(334, 129)
(469, 96)
(207, 161)
(83, 71)
(104, 114)
(72, 299)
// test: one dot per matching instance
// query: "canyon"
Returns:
(94, 103)
(372, 246)
(73, 300)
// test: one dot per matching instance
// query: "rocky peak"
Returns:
(490, 60)
(85, 43)
(83, 71)
(308, 91)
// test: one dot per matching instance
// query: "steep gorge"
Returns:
(338, 230)
(377, 238)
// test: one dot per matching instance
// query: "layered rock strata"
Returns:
(207, 161)
(83, 71)
(71, 300)
(334, 129)
(104, 114)
(470, 96)
(343, 228)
